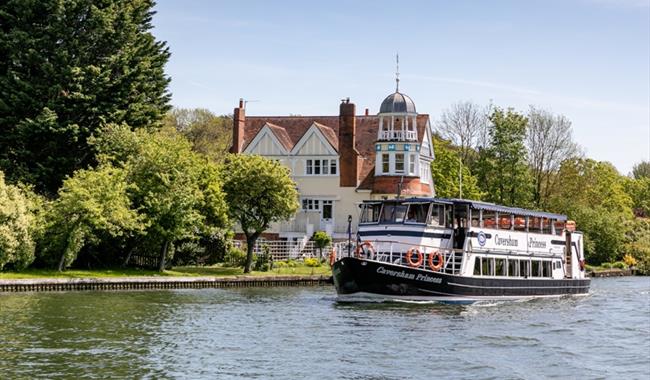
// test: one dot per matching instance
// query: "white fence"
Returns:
(284, 250)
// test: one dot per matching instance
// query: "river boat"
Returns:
(459, 251)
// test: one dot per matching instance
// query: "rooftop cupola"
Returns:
(397, 116)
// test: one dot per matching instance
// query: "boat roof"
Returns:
(479, 205)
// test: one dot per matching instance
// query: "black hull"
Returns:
(360, 278)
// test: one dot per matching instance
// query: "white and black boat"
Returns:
(454, 250)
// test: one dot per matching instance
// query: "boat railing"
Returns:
(397, 253)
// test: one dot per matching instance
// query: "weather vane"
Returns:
(397, 73)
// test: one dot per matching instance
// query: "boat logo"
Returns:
(481, 238)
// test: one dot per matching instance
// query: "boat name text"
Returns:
(409, 276)
(532, 243)
(510, 242)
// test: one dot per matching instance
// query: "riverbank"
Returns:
(158, 282)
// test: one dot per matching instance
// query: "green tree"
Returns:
(91, 206)
(641, 170)
(16, 220)
(178, 191)
(593, 193)
(209, 134)
(67, 67)
(321, 240)
(258, 192)
(639, 190)
(444, 170)
(502, 166)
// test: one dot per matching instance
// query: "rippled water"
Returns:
(303, 333)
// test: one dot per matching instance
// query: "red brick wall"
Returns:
(411, 186)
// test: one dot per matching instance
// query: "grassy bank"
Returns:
(216, 271)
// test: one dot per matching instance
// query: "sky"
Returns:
(588, 60)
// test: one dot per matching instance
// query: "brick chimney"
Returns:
(349, 156)
(239, 120)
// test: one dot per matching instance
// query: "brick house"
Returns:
(339, 161)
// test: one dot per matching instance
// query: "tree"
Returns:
(209, 134)
(178, 191)
(549, 143)
(641, 170)
(321, 240)
(258, 192)
(66, 68)
(639, 190)
(464, 124)
(16, 218)
(444, 170)
(502, 166)
(92, 205)
(593, 193)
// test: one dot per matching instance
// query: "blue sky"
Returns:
(586, 59)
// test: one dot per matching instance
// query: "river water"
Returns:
(303, 333)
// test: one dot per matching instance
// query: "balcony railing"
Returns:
(398, 135)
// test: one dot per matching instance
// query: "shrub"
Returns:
(606, 265)
(263, 262)
(312, 262)
(321, 240)
(619, 265)
(291, 263)
(629, 260)
(235, 258)
(280, 264)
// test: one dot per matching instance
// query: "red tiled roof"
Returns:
(289, 130)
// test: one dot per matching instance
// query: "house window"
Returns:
(385, 163)
(309, 204)
(320, 167)
(412, 164)
(399, 163)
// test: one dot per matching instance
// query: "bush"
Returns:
(619, 265)
(263, 262)
(280, 264)
(312, 262)
(606, 265)
(235, 258)
(291, 263)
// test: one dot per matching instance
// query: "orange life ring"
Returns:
(409, 254)
(332, 257)
(359, 250)
(438, 266)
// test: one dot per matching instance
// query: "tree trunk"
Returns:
(62, 262)
(128, 257)
(163, 256)
(250, 244)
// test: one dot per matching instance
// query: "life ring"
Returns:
(332, 257)
(409, 255)
(359, 251)
(438, 266)
(582, 264)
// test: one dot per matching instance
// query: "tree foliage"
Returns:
(92, 205)
(502, 166)
(549, 142)
(66, 68)
(641, 170)
(209, 134)
(16, 221)
(465, 125)
(178, 191)
(444, 170)
(259, 192)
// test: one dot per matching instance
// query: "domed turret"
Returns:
(397, 103)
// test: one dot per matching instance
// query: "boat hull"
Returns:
(359, 279)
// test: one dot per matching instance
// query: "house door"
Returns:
(327, 217)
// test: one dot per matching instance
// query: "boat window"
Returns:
(477, 266)
(559, 227)
(500, 265)
(547, 269)
(489, 219)
(535, 224)
(448, 219)
(437, 215)
(546, 226)
(370, 212)
(520, 223)
(393, 213)
(536, 268)
(505, 221)
(417, 213)
(513, 267)
(486, 266)
(476, 218)
(524, 268)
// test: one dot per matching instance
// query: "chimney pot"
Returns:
(241, 102)
(367, 112)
